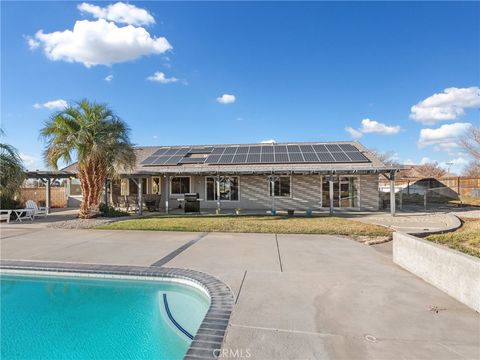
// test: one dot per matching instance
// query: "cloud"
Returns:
(59, 104)
(443, 138)
(98, 43)
(226, 99)
(119, 13)
(447, 105)
(28, 160)
(373, 127)
(109, 78)
(269, 141)
(161, 78)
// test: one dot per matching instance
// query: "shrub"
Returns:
(110, 211)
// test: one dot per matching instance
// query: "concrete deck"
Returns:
(297, 296)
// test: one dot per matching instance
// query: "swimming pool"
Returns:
(63, 317)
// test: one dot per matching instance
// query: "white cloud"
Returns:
(226, 99)
(99, 43)
(109, 78)
(59, 104)
(447, 105)
(161, 78)
(373, 127)
(443, 138)
(119, 13)
(28, 160)
(269, 141)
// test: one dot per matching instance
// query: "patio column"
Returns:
(106, 192)
(330, 185)
(48, 196)
(272, 189)
(140, 196)
(167, 192)
(392, 193)
(218, 194)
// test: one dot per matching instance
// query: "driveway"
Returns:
(297, 296)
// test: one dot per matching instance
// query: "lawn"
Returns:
(465, 239)
(253, 224)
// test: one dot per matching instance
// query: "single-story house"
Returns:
(298, 176)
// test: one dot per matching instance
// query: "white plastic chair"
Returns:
(30, 204)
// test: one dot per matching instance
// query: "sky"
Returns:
(400, 77)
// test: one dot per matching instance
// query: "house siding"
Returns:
(369, 197)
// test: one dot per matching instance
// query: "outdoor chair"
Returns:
(36, 210)
(5, 215)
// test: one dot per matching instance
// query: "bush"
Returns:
(7, 203)
(110, 211)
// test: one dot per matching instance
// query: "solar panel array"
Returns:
(258, 154)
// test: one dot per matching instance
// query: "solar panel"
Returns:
(230, 150)
(320, 148)
(205, 150)
(325, 157)
(267, 149)
(171, 151)
(218, 150)
(267, 158)
(161, 151)
(356, 156)
(148, 160)
(161, 160)
(212, 159)
(226, 159)
(293, 148)
(310, 157)
(306, 148)
(192, 160)
(239, 158)
(253, 158)
(174, 160)
(347, 147)
(183, 151)
(280, 148)
(243, 149)
(296, 157)
(255, 149)
(281, 158)
(340, 157)
(333, 147)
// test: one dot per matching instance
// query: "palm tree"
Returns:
(12, 172)
(99, 141)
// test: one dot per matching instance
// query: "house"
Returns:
(283, 176)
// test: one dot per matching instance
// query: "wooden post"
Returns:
(48, 197)
(330, 183)
(218, 195)
(392, 194)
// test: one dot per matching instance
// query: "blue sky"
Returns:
(286, 71)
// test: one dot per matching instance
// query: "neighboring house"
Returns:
(297, 176)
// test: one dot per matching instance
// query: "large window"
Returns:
(180, 185)
(345, 192)
(281, 186)
(228, 188)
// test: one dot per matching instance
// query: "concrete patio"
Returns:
(297, 296)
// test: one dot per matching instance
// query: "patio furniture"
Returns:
(192, 202)
(36, 210)
(5, 215)
(22, 214)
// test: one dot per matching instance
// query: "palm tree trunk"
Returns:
(92, 177)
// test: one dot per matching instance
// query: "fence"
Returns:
(58, 196)
(434, 192)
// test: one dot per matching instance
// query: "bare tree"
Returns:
(472, 169)
(385, 157)
(471, 142)
(430, 170)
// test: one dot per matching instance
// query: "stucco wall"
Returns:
(455, 273)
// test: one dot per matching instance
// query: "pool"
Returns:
(64, 317)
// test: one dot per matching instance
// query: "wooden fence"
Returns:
(38, 194)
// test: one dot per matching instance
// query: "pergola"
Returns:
(47, 177)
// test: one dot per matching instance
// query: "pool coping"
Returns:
(210, 336)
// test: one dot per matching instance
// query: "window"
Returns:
(75, 187)
(156, 185)
(345, 192)
(180, 185)
(228, 188)
(281, 186)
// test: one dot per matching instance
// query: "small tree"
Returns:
(97, 138)
(472, 169)
(430, 170)
(471, 142)
(12, 172)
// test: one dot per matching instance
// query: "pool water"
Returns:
(88, 318)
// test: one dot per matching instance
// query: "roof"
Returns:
(349, 157)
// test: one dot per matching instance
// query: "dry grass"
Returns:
(253, 224)
(465, 239)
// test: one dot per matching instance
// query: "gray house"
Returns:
(287, 176)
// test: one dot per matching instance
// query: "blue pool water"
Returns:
(85, 318)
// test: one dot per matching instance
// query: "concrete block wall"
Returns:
(453, 272)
